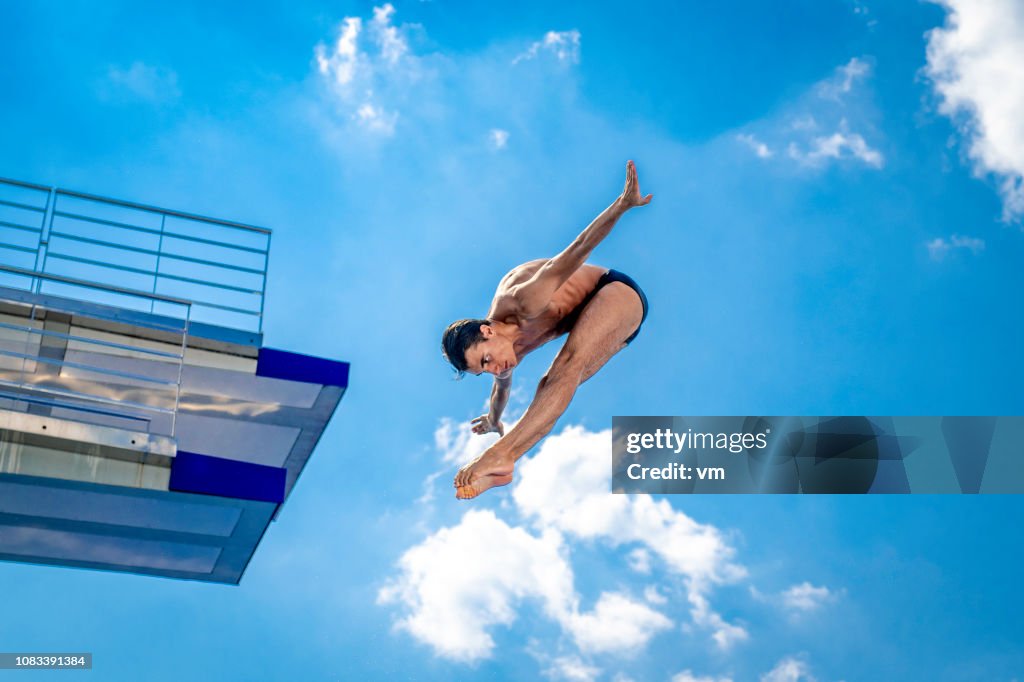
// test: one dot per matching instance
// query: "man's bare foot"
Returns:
(479, 485)
(486, 471)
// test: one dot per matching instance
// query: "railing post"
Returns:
(44, 238)
(159, 252)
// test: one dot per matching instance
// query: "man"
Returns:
(600, 309)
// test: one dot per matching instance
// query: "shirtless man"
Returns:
(600, 309)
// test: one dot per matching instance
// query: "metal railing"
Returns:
(218, 265)
(56, 356)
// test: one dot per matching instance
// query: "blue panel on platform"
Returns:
(195, 473)
(280, 364)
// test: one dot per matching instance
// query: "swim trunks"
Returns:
(569, 321)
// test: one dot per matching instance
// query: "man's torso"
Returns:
(539, 329)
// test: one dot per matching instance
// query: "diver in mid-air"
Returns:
(600, 309)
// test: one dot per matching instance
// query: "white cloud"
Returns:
(974, 63)
(458, 444)
(498, 138)
(688, 676)
(353, 71)
(463, 580)
(788, 670)
(141, 81)
(341, 63)
(838, 145)
(371, 84)
(724, 634)
(760, 148)
(806, 597)
(565, 486)
(800, 599)
(571, 669)
(563, 45)
(392, 45)
(617, 625)
(803, 132)
(843, 80)
(939, 247)
(376, 119)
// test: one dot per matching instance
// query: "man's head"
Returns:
(475, 346)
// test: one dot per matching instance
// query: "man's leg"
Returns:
(600, 332)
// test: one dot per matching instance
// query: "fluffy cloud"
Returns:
(939, 247)
(789, 670)
(392, 45)
(356, 65)
(974, 64)
(463, 580)
(724, 634)
(341, 63)
(562, 45)
(617, 625)
(371, 84)
(760, 148)
(458, 444)
(571, 669)
(565, 486)
(466, 579)
(799, 599)
(829, 106)
(376, 119)
(806, 597)
(843, 80)
(838, 145)
(688, 676)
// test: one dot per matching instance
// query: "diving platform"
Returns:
(144, 426)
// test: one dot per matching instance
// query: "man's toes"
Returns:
(466, 492)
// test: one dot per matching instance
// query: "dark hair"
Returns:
(458, 337)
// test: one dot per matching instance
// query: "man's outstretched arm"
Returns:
(491, 421)
(534, 295)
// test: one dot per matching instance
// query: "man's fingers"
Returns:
(647, 199)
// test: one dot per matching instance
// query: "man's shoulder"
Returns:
(504, 306)
(521, 273)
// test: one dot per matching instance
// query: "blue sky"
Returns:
(836, 229)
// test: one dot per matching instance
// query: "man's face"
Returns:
(493, 355)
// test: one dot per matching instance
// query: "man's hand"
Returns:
(483, 424)
(631, 194)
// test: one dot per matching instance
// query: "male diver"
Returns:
(600, 309)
